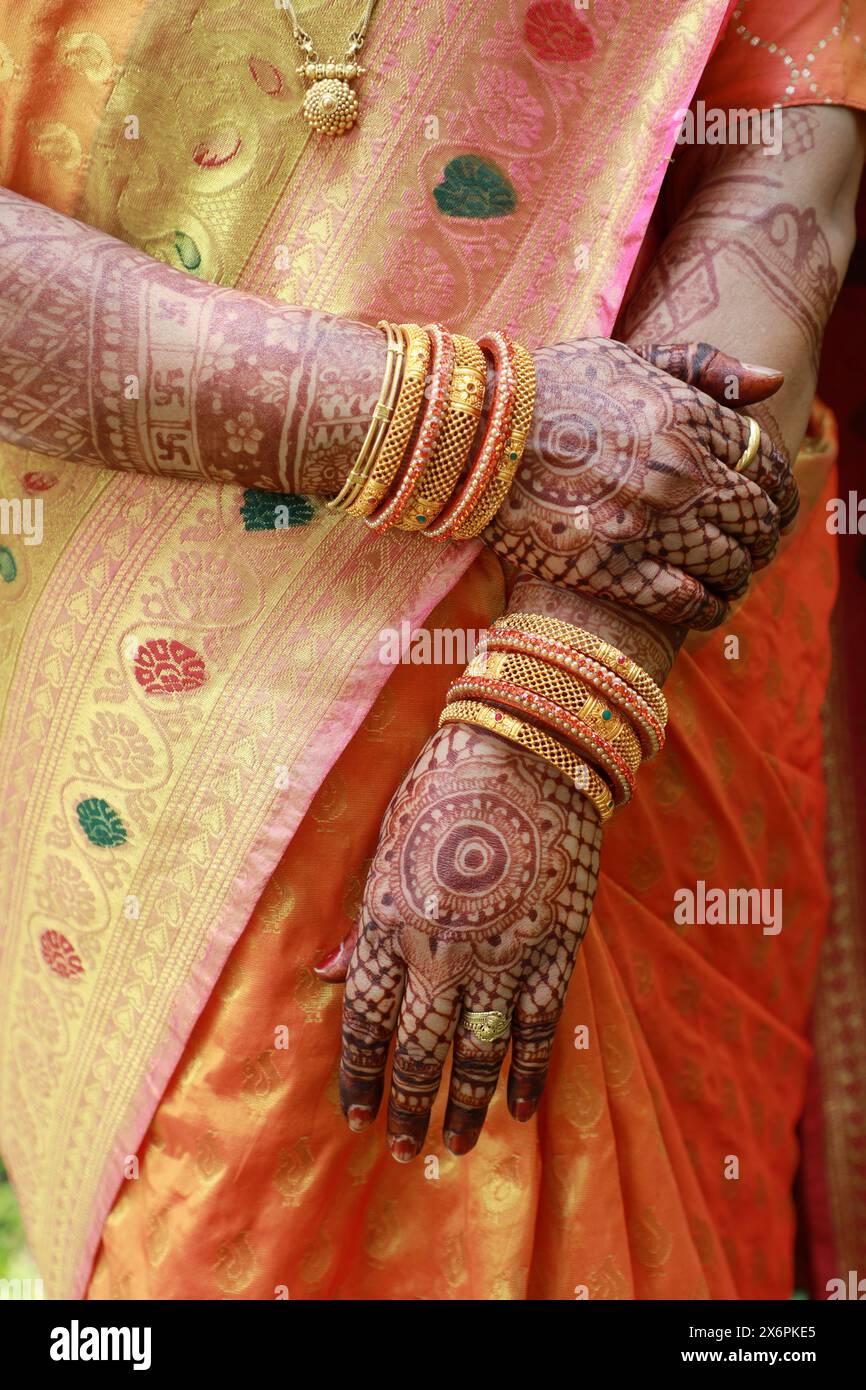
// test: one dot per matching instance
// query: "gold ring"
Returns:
(486, 1026)
(751, 448)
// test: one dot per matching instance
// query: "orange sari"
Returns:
(252, 1186)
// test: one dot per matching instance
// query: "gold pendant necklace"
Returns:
(330, 105)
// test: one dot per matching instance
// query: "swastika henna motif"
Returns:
(111, 357)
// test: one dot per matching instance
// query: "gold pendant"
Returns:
(330, 106)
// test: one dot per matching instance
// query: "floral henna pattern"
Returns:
(628, 488)
(478, 898)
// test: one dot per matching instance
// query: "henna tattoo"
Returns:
(781, 250)
(757, 254)
(627, 488)
(378, 968)
(114, 358)
(478, 897)
(111, 357)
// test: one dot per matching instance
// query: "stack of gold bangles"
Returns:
(568, 696)
(419, 467)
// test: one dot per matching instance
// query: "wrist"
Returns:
(653, 645)
(330, 413)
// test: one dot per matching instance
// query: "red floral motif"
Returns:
(217, 149)
(164, 666)
(59, 955)
(39, 482)
(266, 76)
(557, 33)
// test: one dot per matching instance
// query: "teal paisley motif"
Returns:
(100, 822)
(474, 187)
(190, 256)
(8, 567)
(275, 511)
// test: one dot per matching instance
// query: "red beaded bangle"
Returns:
(613, 687)
(441, 369)
(496, 434)
(555, 717)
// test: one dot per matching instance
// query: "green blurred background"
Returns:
(15, 1261)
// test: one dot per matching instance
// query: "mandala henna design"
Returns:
(627, 488)
(485, 854)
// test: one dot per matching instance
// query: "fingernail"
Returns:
(359, 1116)
(759, 370)
(402, 1147)
(334, 968)
(462, 1142)
(524, 1109)
(330, 959)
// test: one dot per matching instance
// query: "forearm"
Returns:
(108, 356)
(754, 265)
(757, 254)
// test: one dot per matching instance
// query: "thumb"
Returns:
(335, 965)
(728, 380)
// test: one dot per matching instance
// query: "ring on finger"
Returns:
(486, 1026)
(751, 448)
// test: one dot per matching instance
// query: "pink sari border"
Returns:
(636, 231)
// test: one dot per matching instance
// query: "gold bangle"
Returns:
(496, 490)
(388, 453)
(751, 448)
(540, 677)
(582, 777)
(579, 640)
(395, 351)
(448, 459)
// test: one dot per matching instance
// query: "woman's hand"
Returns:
(627, 488)
(478, 897)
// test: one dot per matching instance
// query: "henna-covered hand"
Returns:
(627, 488)
(478, 898)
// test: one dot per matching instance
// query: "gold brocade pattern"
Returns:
(219, 137)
